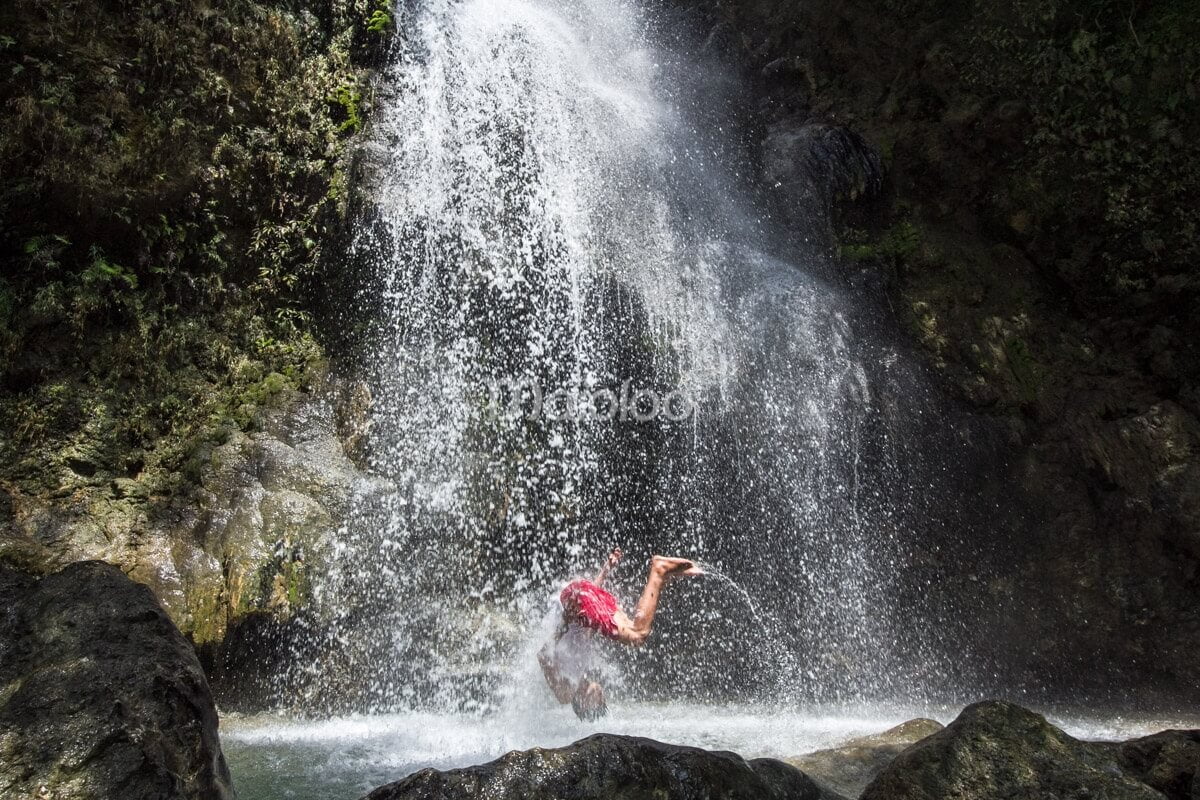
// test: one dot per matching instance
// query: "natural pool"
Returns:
(280, 758)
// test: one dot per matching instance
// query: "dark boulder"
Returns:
(817, 165)
(1168, 761)
(999, 750)
(100, 695)
(608, 767)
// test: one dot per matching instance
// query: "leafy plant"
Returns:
(350, 100)
(380, 20)
(102, 272)
(1110, 164)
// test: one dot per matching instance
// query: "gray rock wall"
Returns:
(242, 540)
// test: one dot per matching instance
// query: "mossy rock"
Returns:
(997, 750)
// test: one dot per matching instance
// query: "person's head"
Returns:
(588, 700)
(572, 606)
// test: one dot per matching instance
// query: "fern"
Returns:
(380, 20)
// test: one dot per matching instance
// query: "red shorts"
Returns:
(592, 606)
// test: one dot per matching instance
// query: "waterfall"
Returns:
(558, 213)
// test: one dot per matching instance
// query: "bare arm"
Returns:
(613, 559)
(560, 686)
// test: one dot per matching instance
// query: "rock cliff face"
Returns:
(1045, 277)
(1021, 179)
(100, 695)
(174, 177)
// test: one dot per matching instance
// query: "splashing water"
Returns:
(555, 198)
(765, 626)
(555, 201)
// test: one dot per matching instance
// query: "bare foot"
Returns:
(676, 567)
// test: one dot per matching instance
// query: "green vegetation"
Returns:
(900, 242)
(380, 20)
(350, 99)
(173, 176)
(1045, 190)
(1112, 165)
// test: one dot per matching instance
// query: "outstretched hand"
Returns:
(613, 558)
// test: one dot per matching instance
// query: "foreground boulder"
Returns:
(100, 695)
(1168, 761)
(999, 750)
(848, 768)
(608, 767)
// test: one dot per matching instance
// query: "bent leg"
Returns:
(635, 631)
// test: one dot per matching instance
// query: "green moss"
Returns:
(207, 616)
(281, 585)
(297, 584)
(901, 242)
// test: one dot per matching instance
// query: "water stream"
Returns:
(585, 330)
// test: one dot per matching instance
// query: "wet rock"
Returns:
(816, 165)
(608, 767)
(1108, 471)
(723, 40)
(1000, 750)
(352, 417)
(242, 540)
(848, 768)
(1167, 761)
(100, 695)
(266, 512)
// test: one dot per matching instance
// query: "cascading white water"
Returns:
(552, 206)
(553, 199)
